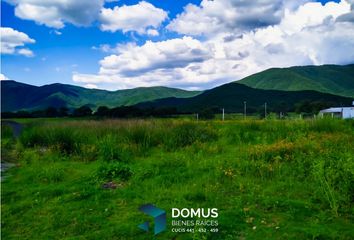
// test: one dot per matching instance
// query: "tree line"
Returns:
(304, 107)
(86, 111)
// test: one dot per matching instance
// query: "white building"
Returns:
(341, 112)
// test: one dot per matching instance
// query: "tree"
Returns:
(63, 111)
(206, 113)
(281, 107)
(82, 111)
(51, 112)
(303, 107)
(102, 111)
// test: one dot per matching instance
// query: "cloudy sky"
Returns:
(190, 44)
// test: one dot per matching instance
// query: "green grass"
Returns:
(269, 179)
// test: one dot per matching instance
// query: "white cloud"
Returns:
(152, 32)
(132, 18)
(151, 61)
(90, 78)
(91, 86)
(56, 32)
(106, 48)
(143, 17)
(213, 17)
(26, 52)
(12, 42)
(3, 77)
(58, 12)
(348, 17)
(136, 60)
(310, 34)
(312, 14)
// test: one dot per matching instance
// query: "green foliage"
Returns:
(206, 113)
(111, 149)
(6, 132)
(63, 139)
(51, 174)
(186, 134)
(82, 111)
(114, 170)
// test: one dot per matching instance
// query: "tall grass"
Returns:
(289, 179)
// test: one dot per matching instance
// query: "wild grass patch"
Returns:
(269, 179)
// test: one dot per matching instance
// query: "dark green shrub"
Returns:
(82, 111)
(206, 114)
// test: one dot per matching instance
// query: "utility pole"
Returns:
(265, 110)
(223, 114)
(244, 110)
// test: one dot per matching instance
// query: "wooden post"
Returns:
(223, 114)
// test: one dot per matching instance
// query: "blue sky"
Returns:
(57, 56)
(184, 44)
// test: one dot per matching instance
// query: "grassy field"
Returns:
(271, 179)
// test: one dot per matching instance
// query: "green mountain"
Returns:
(280, 88)
(334, 79)
(233, 95)
(17, 96)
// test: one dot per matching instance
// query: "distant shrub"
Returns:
(82, 111)
(206, 114)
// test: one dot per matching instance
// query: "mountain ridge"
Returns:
(232, 96)
(330, 84)
(333, 79)
(18, 96)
